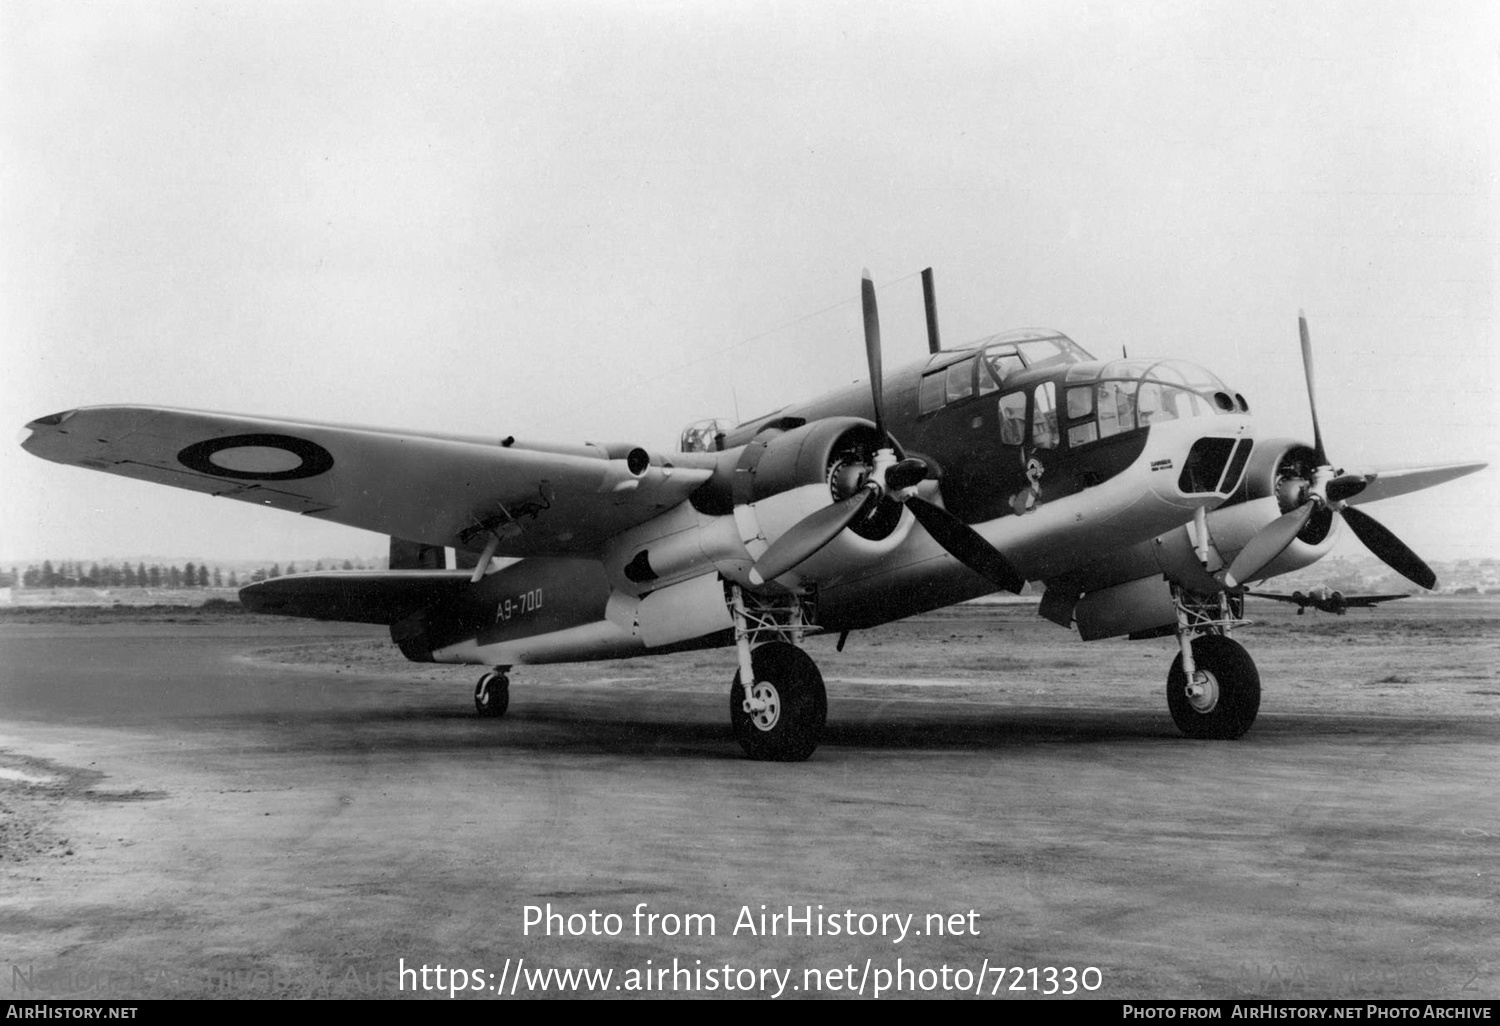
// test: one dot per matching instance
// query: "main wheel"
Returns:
(492, 694)
(1226, 702)
(787, 729)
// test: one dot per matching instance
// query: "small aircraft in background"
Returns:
(1327, 600)
(1137, 491)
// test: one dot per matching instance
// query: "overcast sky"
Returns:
(601, 221)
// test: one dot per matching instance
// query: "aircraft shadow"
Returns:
(550, 729)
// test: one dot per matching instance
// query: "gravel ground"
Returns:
(202, 804)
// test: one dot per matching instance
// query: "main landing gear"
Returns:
(1213, 689)
(777, 704)
(492, 693)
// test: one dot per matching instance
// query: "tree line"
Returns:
(76, 574)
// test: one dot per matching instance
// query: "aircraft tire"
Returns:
(492, 695)
(791, 681)
(1234, 691)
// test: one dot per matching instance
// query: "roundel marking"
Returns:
(257, 457)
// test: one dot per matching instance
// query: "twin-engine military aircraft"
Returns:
(1327, 600)
(1137, 491)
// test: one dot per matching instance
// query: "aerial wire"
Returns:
(630, 389)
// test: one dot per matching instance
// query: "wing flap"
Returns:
(261, 495)
(436, 489)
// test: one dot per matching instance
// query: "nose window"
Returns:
(1205, 464)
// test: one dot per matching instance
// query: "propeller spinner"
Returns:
(1331, 489)
(889, 478)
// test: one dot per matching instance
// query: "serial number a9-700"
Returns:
(526, 602)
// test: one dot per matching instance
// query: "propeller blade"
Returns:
(906, 473)
(964, 544)
(1312, 398)
(1346, 487)
(807, 536)
(1268, 543)
(1392, 551)
(872, 351)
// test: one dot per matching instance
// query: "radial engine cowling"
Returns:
(783, 477)
(1277, 481)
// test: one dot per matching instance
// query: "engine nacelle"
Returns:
(1278, 480)
(1127, 593)
(757, 492)
(785, 477)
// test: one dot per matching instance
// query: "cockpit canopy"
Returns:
(1027, 349)
(704, 436)
(999, 357)
(1101, 399)
(1098, 398)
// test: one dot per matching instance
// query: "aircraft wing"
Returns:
(1370, 600)
(1278, 598)
(1385, 483)
(436, 489)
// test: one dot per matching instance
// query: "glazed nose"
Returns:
(1214, 465)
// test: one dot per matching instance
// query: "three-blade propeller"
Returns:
(1330, 490)
(889, 478)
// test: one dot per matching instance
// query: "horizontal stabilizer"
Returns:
(358, 596)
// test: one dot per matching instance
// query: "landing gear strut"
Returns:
(777, 704)
(492, 693)
(1213, 689)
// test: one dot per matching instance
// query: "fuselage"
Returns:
(1056, 459)
(1322, 599)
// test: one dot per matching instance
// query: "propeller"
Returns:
(1390, 550)
(888, 478)
(965, 544)
(1331, 490)
(809, 535)
(872, 351)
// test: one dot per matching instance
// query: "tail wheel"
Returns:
(792, 705)
(1224, 702)
(492, 695)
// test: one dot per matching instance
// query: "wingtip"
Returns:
(50, 420)
(30, 433)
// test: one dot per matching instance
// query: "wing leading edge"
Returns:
(436, 489)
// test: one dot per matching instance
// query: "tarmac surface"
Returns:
(201, 805)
